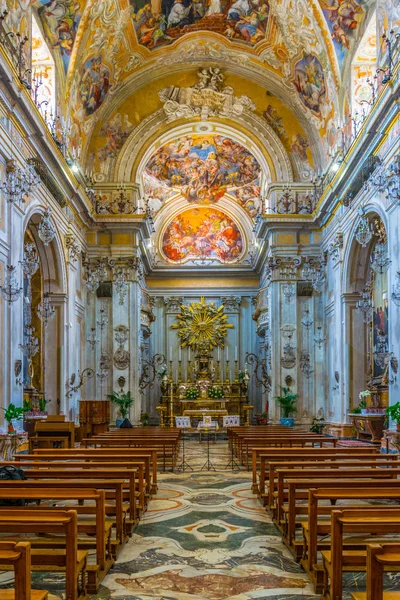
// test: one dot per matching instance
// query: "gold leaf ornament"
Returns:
(202, 325)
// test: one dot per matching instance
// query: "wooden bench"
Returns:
(148, 455)
(113, 489)
(134, 491)
(338, 462)
(68, 559)
(380, 557)
(348, 492)
(246, 445)
(264, 455)
(99, 528)
(363, 523)
(18, 556)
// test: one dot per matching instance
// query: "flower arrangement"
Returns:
(364, 395)
(192, 393)
(215, 392)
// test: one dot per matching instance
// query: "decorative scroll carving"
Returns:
(231, 303)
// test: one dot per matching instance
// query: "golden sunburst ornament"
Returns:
(202, 326)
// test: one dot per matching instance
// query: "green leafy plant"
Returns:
(361, 406)
(317, 425)
(123, 400)
(144, 419)
(192, 393)
(394, 412)
(42, 404)
(288, 402)
(216, 392)
(27, 405)
(13, 412)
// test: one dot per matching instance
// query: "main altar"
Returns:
(208, 387)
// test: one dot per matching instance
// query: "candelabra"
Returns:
(260, 371)
(319, 339)
(16, 51)
(104, 369)
(307, 320)
(30, 347)
(380, 259)
(155, 367)
(364, 231)
(396, 290)
(46, 230)
(10, 290)
(45, 310)
(372, 85)
(30, 263)
(19, 182)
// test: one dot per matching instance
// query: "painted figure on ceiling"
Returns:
(60, 20)
(238, 19)
(309, 80)
(343, 18)
(94, 85)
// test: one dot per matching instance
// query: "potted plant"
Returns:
(363, 396)
(394, 413)
(13, 412)
(288, 404)
(262, 419)
(144, 419)
(124, 401)
(317, 425)
(361, 409)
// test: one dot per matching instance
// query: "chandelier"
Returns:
(45, 310)
(30, 264)
(289, 291)
(121, 285)
(46, 229)
(380, 260)
(30, 347)
(19, 182)
(318, 278)
(365, 305)
(396, 290)
(364, 231)
(10, 290)
(305, 364)
(92, 338)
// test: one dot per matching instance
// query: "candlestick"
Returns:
(171, 406)
(227, 353)
(170, 370)
(219, 353)
(179, 371)
(188, 371)
(227, 371)
(219, 370)
(236, 371)
(180, 353)
(236, 353)
(189, 354)
(170, 353)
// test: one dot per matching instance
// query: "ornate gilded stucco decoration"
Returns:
(202, 326)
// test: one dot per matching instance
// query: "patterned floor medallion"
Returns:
(204, 537)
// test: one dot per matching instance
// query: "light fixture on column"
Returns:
(45, 310)
(92, 278)
(396, 290)
(30, 347)
(46, 230)
(19, 182)
(92, 338)
(319, 339)
(307, 320)
(380, 259)
(364, 231)
(30, 263)
(10, 290)
(102, 321)
(365, 305)
(305, 364)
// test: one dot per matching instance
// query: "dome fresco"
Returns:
(202, 233)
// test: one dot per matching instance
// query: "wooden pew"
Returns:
(69, 560)
(98, 528)
(148, 455)
(349, 492)
(113, 487)
(18, 556)
(380, 557)
(363, 523)
(167, 447)
(338, 462)
(266, 454)
(134, 491)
